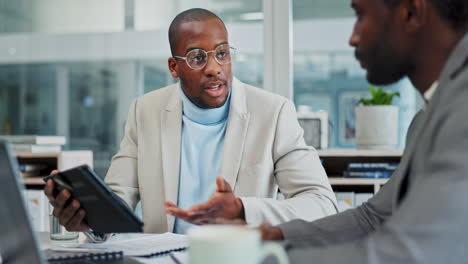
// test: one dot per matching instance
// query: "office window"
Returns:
(73, 67)
(93, 101)
(58, 16)
(27, 99)
(327, 77)
(156, 75)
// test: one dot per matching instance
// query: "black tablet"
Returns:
(105, 211)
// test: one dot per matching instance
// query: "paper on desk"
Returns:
(138, 245)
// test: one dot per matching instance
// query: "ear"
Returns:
(173, 67)
(413, 13)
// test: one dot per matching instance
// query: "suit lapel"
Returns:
(414, 138)
(455, 63)
(404, 166)
(171, 130)
(236, 132)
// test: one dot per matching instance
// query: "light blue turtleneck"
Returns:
(203, 132)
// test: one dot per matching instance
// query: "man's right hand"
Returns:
(72, 216)
(270, 232)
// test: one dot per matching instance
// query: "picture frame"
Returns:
(315, 126)
(347, 101)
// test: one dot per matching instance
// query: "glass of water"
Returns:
(59, 232)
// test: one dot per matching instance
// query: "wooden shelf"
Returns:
(356, 184)
(53, 160)
(336, 161)
(36, 181)
(27, 155)
(359, 153)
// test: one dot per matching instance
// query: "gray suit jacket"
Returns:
(421, 214)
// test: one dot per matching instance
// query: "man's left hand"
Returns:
(222, 204)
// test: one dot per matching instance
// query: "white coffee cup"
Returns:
(215, 244)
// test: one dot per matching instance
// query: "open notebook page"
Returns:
(133, 244)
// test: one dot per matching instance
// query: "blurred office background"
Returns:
(72, 67)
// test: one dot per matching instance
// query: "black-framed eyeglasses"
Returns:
(197, 59)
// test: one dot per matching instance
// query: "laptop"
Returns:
(18, 242)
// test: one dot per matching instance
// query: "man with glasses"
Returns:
(210, 146)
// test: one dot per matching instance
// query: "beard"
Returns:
(383, 65)
(384, 74)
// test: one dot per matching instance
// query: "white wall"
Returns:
(151, 14)
(58, 16)
(323, 35)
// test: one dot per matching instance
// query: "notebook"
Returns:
(69, 254)
(142, 245)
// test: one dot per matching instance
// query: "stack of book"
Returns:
(35, 144)
(370, 170)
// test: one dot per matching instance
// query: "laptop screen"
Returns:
(17, 241)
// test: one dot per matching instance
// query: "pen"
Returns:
(176, 261)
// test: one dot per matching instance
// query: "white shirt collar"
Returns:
(429, 93)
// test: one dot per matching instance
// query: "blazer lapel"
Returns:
(413, 139)
(171, 130)
(456, 61)
(236, 132)
(403, 170)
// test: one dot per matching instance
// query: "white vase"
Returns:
(376, 127)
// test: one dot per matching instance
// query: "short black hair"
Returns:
(454, 12)
(194, 14)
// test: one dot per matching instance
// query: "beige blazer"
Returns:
(264, 153)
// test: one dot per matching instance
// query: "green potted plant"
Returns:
(377, 120)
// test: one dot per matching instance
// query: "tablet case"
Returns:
(105, 211)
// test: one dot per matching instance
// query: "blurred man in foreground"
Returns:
(420, 215)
